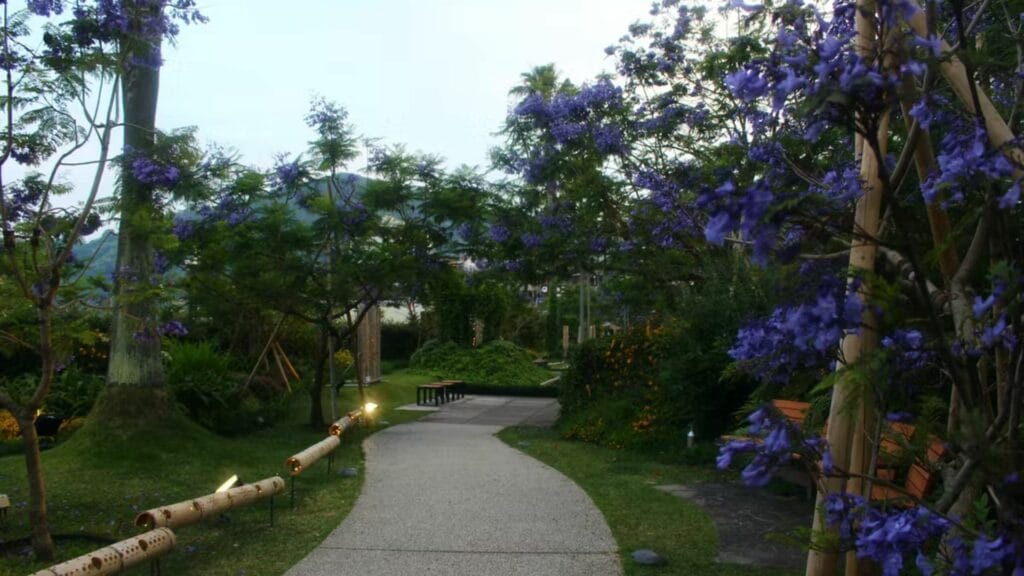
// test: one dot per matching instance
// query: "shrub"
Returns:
(74, 392)
(648, 385)
(497, 363)
(207, 390)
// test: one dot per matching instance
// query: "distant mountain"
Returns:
(98, 254)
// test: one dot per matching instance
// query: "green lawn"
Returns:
(621, 484)
(97, 483)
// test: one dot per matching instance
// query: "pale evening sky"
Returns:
(433, 74)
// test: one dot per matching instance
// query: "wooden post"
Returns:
(565, 342)
(478, 332)
(368, 341)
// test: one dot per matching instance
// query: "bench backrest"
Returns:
(794, 410)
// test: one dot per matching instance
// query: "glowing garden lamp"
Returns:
(370, 408)
(229, 484)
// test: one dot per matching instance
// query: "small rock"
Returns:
(523, 444)
(648, 558)
(348, 472)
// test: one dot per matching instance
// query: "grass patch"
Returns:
(621, 484)
(98, 482)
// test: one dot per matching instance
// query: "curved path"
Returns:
(444, 496)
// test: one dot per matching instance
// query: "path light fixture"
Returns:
(370, 408)
(229, 483)
(5, 505)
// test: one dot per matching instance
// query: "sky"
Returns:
(432, 74)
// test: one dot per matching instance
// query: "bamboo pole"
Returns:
(263, 354)
(287, 361)
(850, 416)
(956, 74)
(192, 511)
(346, 422)
(280, 368)
(117, 557)
(299, 462)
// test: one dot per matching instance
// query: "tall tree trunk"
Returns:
(851, 414)
(135, 378)
(322, 356)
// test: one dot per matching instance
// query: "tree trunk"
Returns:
(42, 544)
(316, 407)
(135, 369)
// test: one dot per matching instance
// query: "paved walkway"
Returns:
(443, 496)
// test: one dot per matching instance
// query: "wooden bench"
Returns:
(920, 477)
(919, 481)
(430, 394)
(454, 389)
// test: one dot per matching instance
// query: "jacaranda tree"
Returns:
(59, 99)
(868, 148)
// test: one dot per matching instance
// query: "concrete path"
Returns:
(443, 496)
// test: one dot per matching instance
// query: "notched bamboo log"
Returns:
(297, 463)
(209, 506)
(117, 557)
(346, 422)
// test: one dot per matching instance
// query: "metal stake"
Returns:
(293, 491)
(271, 511)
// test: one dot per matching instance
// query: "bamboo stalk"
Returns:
(280, 368)
(287, 361)
(346, 422)
(263, 354)
(192, 511)
(849, 422)
(117, 557)
(299, 462)
(956, 74)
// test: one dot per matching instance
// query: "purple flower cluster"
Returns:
(500, 233)
(183, 228)
(531, 240)
(893, 536)
(908, 347)
(45, 7)
(173, 328)
(155, 173)
(577, 118)
(965, 162)
(23, 201)
(798, 336)
(229, 209)
(113, 20)
(354, 216)
(777, 440)
(287, 173)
